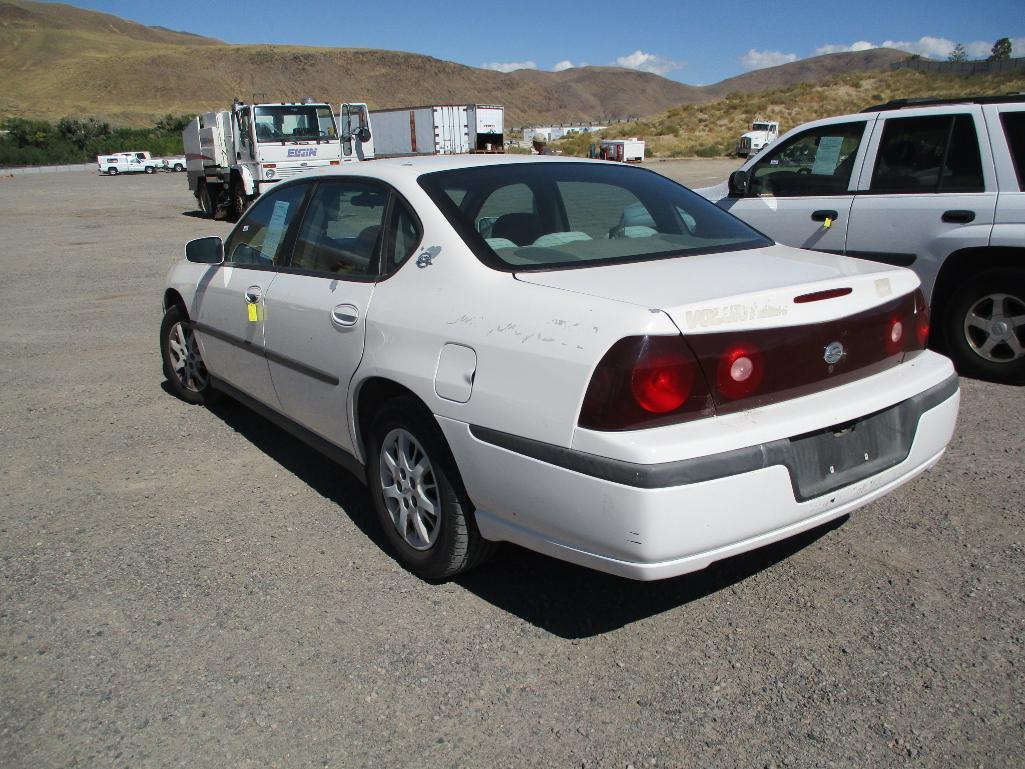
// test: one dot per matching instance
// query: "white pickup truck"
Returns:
(127, 163)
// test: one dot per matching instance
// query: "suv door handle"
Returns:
(958, 217)
(252, 295)
(821, 216)
(345, 315)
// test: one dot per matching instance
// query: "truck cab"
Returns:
(235, 155)
(762, 134)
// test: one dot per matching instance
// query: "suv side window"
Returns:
(1014, 130)
(259, 237)
(341, 231)
(816, 162)
(936, 153)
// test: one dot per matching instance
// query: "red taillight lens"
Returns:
(921, 319)
(645, 381)
(740, 371)
(894, 339)
(662, 383)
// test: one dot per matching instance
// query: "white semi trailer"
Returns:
(442, 129)
(234, 155)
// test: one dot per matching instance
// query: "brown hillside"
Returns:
(57, 60)
(812, 70)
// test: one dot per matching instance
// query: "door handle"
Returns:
(345, 315)
(958, 217)
(252, 295)
(821, 216)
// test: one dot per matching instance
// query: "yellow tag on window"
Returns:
(254, 312)
(828, 223)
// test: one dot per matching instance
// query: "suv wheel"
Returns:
(985, 326)
(418, 495)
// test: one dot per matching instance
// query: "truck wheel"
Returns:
(239, 199)
(111, 172)
(984, 326)
(178, 167)
(150, 169)
(206, 202)
(418, 495)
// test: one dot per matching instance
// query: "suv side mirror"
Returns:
(363, 134)
(205, 250)
(738, 184)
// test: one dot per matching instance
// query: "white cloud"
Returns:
(761, 59)
(509, 66)
(861, 45)
(928, 46)
(649, 62)
(563, 65)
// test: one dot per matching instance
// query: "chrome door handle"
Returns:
(252, 295)
(345, 315)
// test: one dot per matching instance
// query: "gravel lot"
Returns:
(193, 588)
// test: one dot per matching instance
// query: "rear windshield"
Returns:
(542, 216)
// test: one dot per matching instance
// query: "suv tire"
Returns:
(984, 326)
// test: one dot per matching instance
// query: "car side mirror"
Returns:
(205, 250)
(738, 184)
(363, 134)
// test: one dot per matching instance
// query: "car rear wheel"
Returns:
(985, 326)
(183, 364)
(418, 495)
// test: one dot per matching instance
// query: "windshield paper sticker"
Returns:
(827, 156)
(275, 229)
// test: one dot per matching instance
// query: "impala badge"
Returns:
(833, 352)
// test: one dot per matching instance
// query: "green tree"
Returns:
(173, 125)
(1001, 50)
(81, 132)
(958, 53)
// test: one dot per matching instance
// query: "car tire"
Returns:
(418, 496)
(239, 199)
(178, 167)
(183, 364)
(984, 326)
(112, 172)
(150, 169)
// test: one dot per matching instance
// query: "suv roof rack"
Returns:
(929, 101)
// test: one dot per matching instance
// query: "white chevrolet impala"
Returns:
(580, 357)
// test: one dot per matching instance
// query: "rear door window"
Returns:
(1014, 130)
(818, 161)
(936, 153)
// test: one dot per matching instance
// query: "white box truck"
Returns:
(623, 150)
(234, 155)
(441, 129)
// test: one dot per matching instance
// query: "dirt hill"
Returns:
(57, 60)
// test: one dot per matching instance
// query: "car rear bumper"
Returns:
(655, 521)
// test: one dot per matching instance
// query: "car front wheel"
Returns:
(183, 364)
(985, 326)
(418, 495)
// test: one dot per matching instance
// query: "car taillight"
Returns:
(921, 320)
(645, 381)
(740, 371)
(894, 339)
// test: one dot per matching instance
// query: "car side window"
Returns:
(403, 236)
(259, 237)
(818, 161)
(341, 230)
(1014, 130)
(935, 153)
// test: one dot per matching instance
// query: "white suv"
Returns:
(934, 185)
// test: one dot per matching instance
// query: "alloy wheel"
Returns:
(410, 489)
(186, 361)
(994, 327)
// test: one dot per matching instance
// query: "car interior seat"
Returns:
(521, 228)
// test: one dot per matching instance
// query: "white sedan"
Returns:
(580, 357)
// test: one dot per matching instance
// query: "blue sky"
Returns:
(692, 42)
